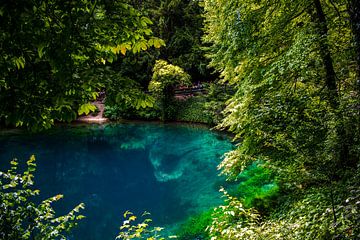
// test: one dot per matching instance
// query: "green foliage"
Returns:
(280, 111)
(203, 108)
(52, 51)
(141, 230)
(257, 187)
(231, 219)
(21, 217)
(165, 77)
(116, 112)
(289, 92)
(126, 93)
(216, 97)
(191, 109)
(349, 219)
(113, 112)
(86, 108)
(295, 106)
(125, 99)
(195, 227)
(95, 112)
(310, 217)
(179, 24)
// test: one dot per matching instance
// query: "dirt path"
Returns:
(99, 118)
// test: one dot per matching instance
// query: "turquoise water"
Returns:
(168, 170)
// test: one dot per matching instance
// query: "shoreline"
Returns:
(76, 123)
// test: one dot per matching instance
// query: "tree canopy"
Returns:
(53, 55)
(296, 104)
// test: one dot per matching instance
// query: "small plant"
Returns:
(141, 230)
(20, 217)
(230, 218)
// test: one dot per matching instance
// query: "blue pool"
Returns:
(168, 170)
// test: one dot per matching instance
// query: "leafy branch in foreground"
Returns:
(141, 230)
(20, 217)
(231, 218)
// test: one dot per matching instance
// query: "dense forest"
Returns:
(282, 76)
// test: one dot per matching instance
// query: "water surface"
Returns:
(166, 169)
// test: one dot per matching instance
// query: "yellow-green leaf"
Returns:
(86, 108)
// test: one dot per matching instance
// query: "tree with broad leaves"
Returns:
(54, 53)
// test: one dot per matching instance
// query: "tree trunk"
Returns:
(330, 81)
(354, 13)
(326, 55)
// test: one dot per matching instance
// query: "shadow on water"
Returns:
(168, 170)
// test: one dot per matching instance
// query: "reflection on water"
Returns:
(168, 170)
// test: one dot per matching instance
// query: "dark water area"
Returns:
(166, 169)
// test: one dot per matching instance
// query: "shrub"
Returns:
(191, 110)
(309, 216)
(165, 78)
(20, 217)
(117, 112)
(232, 220)
(140, 230)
